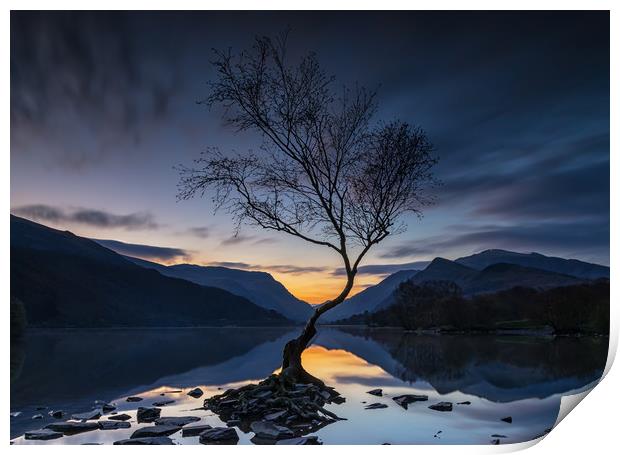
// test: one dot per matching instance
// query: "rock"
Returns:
(495, 442)
(269, 430)
(148, 414)
(406, 400)
(195, 393)
(233, 423)
(376, 392)
(107, 407)
(443, 406)
(37, 416)
(95, 414)
(112, 424)
(119, 417)
(465, 402)
(176, 421)
(159, 441)
(275, 415)
(41, 408)
(133, 400)
(498, 436)
(219, 435)
(303, 441)
(68, 428)
(339, 400)
(376, 406)
(163, 403)
(56, 414)
(155, 431)
(507, 419)
(42, 435)
(15, 414)
(194, 430)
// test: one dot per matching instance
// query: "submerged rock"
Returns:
(465, 402)
(195, 393)
(69, 428)
(134, 399)
(37, 416)
(148, 414)
(376, 392)
(42, 435)
(90, 415)
(155, 431)
(194, 430)
(176, 421)
(112, 424)
(269, 430)
(507, 419)
(443, 406)
(498, 436)
(219, 435)
(406, 400)
(163, 403)
(303, 441)
(56, 414)
(119, 417)
(157, 441)
(376, 406)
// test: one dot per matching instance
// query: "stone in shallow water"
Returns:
(376, 406)
(194, 430)
(406, 400)
(90, 415)
(269, 430)
(275, 415)
(72, 427)
(443, 406)
(37, 416)
(42, 435)
(56, 414)
(112, 425)
(195, 393)
(176, 421)
(163, 403)
(499, 436)
(303, 441)
(134, 399)
(465, 402)
(376, 392)
(148, 414)
(507, 419)
(158, 441)
(155, 431)
(120, 417)
(219, 435)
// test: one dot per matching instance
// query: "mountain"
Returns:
(493, 278)
(68, 281)
(571, 267)
(258, 287)
(370, 298)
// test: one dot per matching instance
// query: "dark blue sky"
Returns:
(517, 104)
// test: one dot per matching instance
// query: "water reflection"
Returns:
(521, 376)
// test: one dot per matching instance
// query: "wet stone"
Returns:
(176, 421)
(376, 406)
(56, 414)
(72, 427)
(465, 402)
(157, 441)
(269, 430)
(155, 431)
(134, 399)
(112, 424)
(219, 435)
(148, 414)
(507, 419)
(443, 406)
(37, 416)
(90, 415)
(195, 393)
(163, 403)
(42, 435)
(275, 415)
(119, 417)
(376, 392)
(303, 441)
(406, 400)
(194, 430)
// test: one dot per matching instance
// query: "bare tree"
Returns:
(324, 173)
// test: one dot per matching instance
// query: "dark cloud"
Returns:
(280, 268)
(91, 217)
(148, 252)
(241, 238)
(200, 232)
(383, 269)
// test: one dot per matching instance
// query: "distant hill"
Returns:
(258, 287)
(493, 278)
(370, 299)
(571, 267)
(68, 281)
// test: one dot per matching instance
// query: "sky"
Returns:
(104, 106)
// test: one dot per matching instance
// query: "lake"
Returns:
(518, 376)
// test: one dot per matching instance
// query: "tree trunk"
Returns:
(292, 369)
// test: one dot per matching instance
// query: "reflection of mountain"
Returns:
(496, 368)
(258, 287)
(69, 281)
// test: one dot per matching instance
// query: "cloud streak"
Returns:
(148, 252)
(90, 217)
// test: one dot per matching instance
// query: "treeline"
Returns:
(440, 305)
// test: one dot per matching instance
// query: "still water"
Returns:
(521, 377)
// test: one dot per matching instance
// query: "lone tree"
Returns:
(325, 173)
